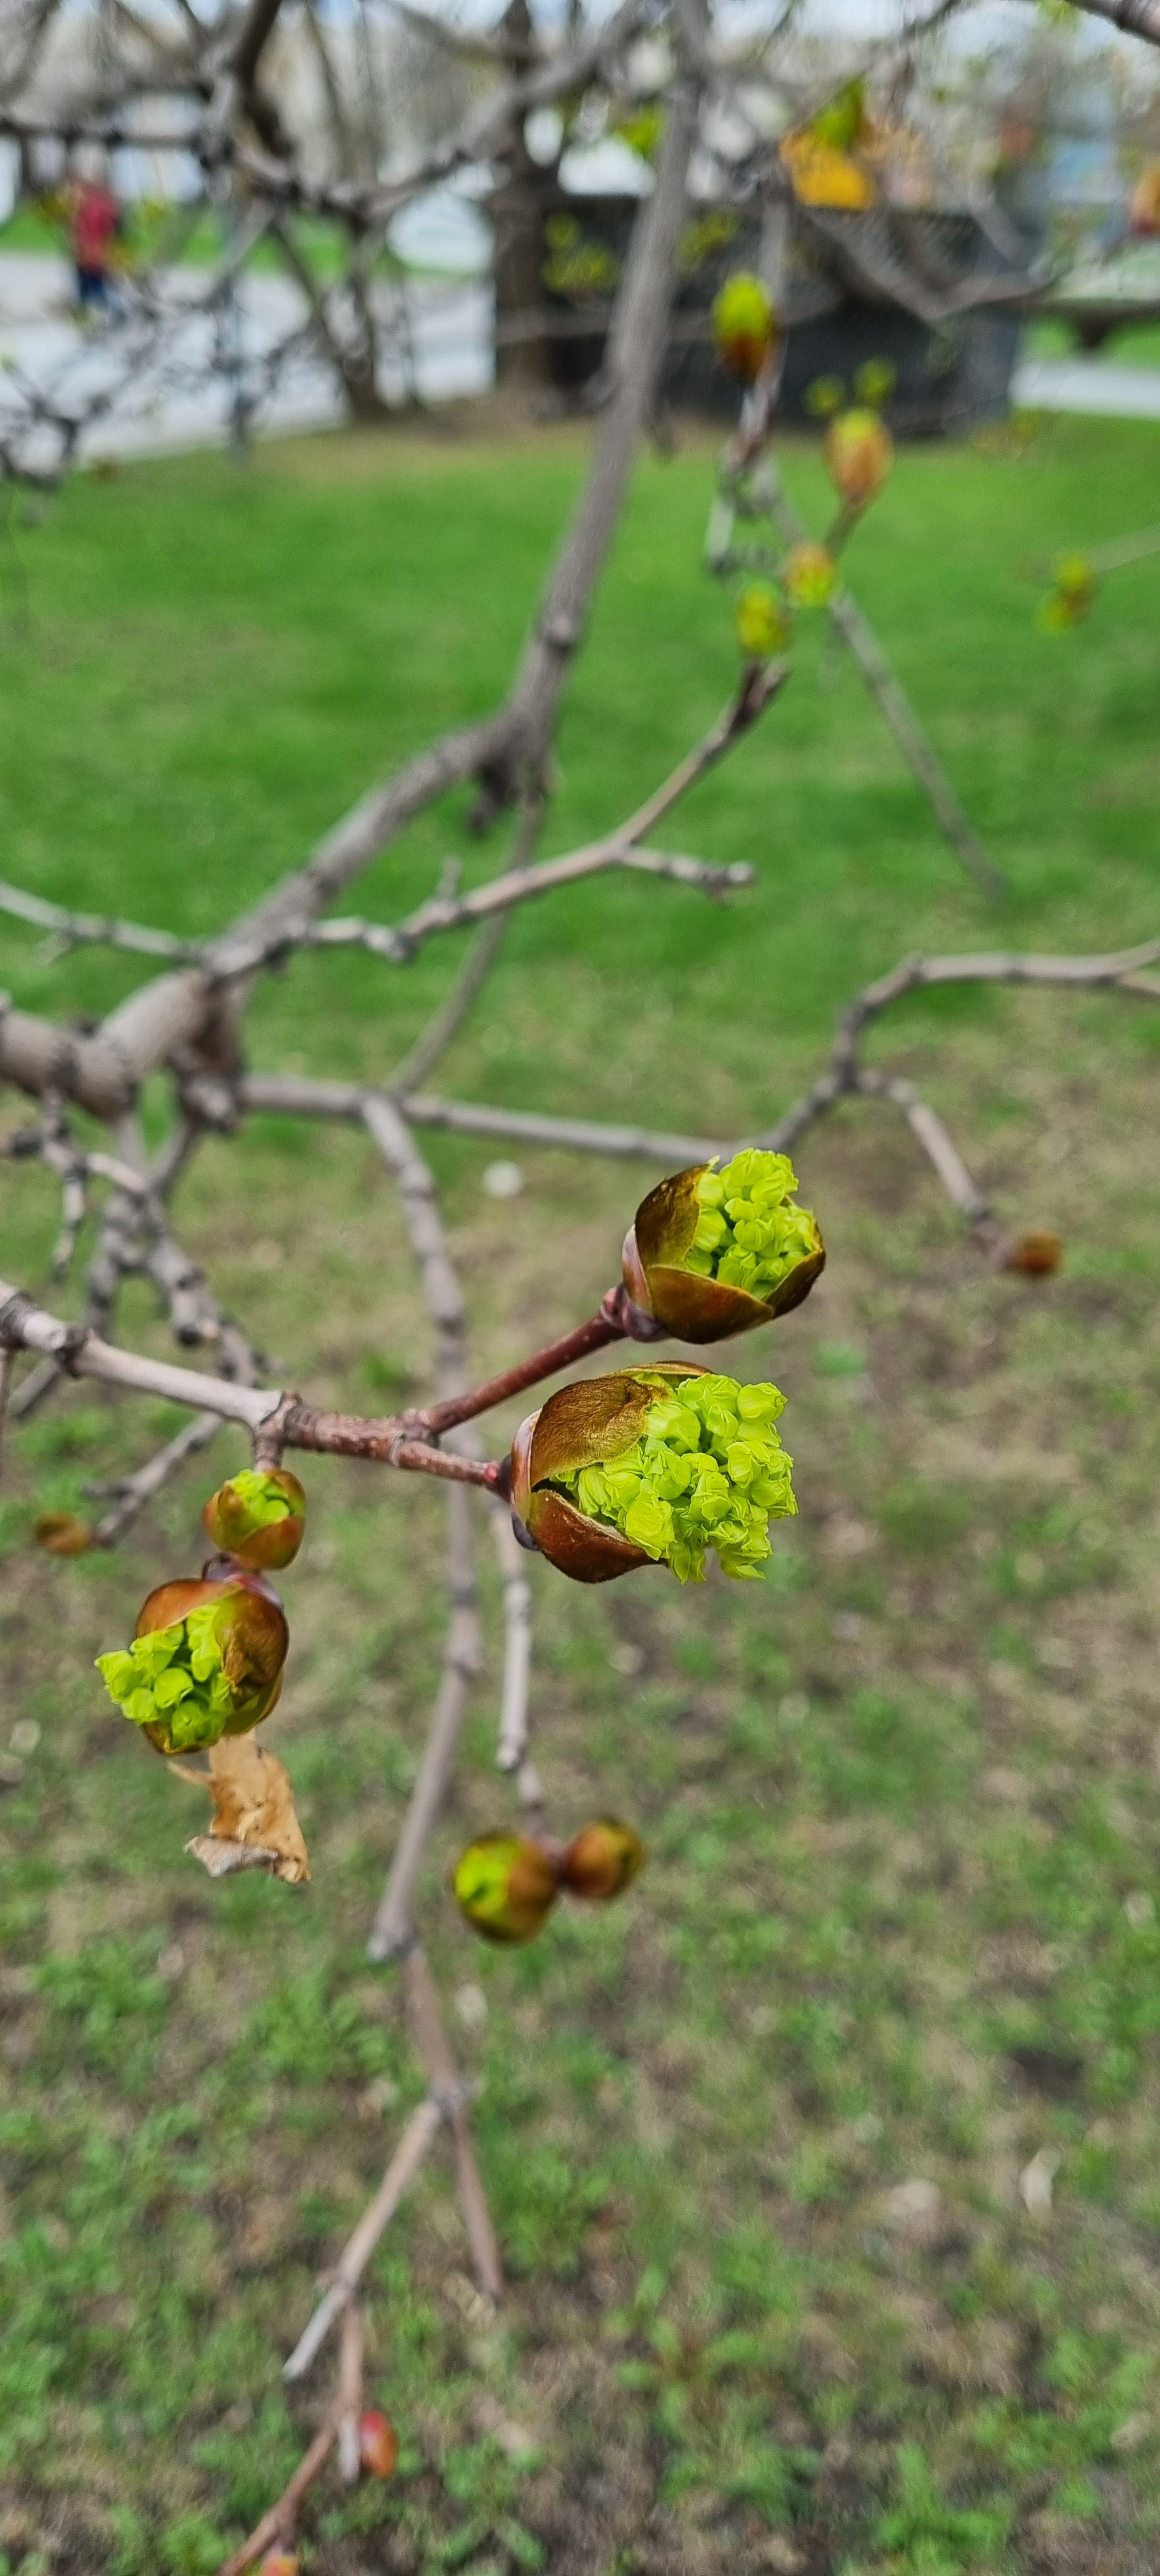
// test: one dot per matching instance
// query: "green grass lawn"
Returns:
(754, 2138)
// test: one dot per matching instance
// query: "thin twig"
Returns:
(421, 2129)
(278, 2524)
(350, 2393)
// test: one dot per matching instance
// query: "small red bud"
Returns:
(602, 1861)
(280, 2562)
(378, 2443)
(1036, 1254)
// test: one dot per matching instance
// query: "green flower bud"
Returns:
(1073, 595)
(206, 1661)
(714, 1253)
(505, 1887)
(824, 396)
(653, 1466)
(761, 622)
(259, 1517)
(602, 1861)
(809, 575)
(859, 453)
(744, 327)
(875, 382)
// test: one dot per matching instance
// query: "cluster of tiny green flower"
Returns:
(707, 1471)
(175, 1678)
(748, 1236)
(265, 1500)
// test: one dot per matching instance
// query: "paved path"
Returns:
(436, 341)
(1088, 384)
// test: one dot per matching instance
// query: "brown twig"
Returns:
(278, 2524)
(419, 2134)
(299, 1095)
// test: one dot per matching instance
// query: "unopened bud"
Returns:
(378, 2443)
(1073, 594)
(824, 396)
(712, 1253)
(280, 2562)
(62, 1534)
(1036, 1254)
(809, 575)
(859, 453)
(206, 1661)
(653, 1466)
(259, 1517)
(761, 621)
(602, 1861)
(744, 327)
(506, 1887)
(875, 382)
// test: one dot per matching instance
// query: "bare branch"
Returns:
(511, 1754)
(1132, 17)
(350, 2393)
(421, 2129)
(279, 2523)
(298, 1095)
(136, 1490)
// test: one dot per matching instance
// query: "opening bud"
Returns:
(206, 1661)
(859, 453)
(809, 575)
(259, 1517)
(378, 2443)
(744, 326)
(505, 1887)
(653, 1466)
(761, 622)
(602, 1861)
(711, 1253)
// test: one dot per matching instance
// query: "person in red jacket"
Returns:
(94, 222)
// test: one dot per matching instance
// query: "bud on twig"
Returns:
(762, 622)
(206, 1661)
(62, 1534)
(601, 1861)
(259, 1517)
(1036, 1253)
(1073, 594)
(506, 1887)
(378, 2443)
(744, 327)
(652, 1466)
(809, 575)
(713, 1253)
(859, 453)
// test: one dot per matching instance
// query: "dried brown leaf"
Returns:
(254, 1822)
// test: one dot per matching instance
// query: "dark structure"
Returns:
(941, 295)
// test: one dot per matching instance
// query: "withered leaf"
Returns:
(254, 1824)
